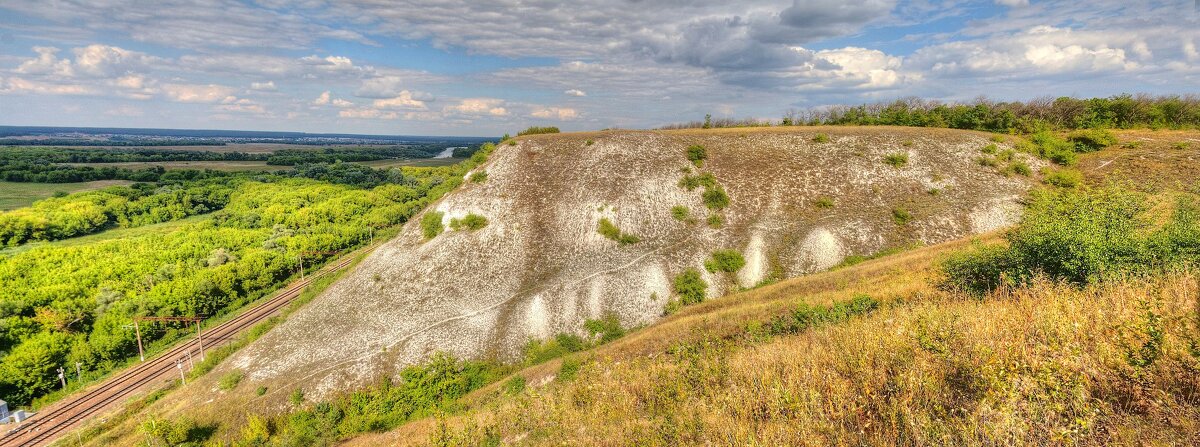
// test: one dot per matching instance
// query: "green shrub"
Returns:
(610, 231)
(715, 198)
(167, 432)
(1132, 144)
(540, 351)
(1091, 140)
(470, 222)
(589, 143)
(690, 287)
(297, 397)
(570, 368)
(604, 329)
(715, 220)
(807, 316)
(1020, 168)
(988, 162)
(691, 182)
(823, 203)
(230, 380)
(479, 176)
(1063, 178)
(821, 138)
(989, 149)
(260, 391)
(514, 385)
(681, 213)
(901, 216)
(534, 130)
(1050, 147)
(997, 139)
(431, 224)
(1181, 145)
(896, 160)
(1081, 236)
(697, 154)
(1006, 155)
(728, 261)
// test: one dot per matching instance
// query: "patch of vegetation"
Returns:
(534, 130)
(990, 149)
(610, 231)
(589, 143)
(682, 214)
(859, 259)
(1081, 236)
(600, 331)
(728, 261)
(161, 431)
(515, 385)
(691, 182)
(820, 138)
(987, 162)
(230, 380)
(1181, 145)
(1063, 178)
(1020, 168)
(901, 216)
(823, 202)
(1044, 144)
(689, 287)
(996, 139)
(431, 224)
(479, 176)
(715, 198)
(470, 222)
(1091, 140)
(805, 316)
(697, 154)
(715, 220)
(896, 160)
(262, 390)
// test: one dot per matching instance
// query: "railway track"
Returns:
(57, 419)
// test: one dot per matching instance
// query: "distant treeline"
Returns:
(107, 142)
(1064, 113)
(43, 164)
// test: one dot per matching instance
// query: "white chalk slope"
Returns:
(540, 267)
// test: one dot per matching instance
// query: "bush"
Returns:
(1020, 168)
(987, 162)
(604, 329)
(821, 138)
(690, 287)
(681, 213)
(1181, 145)
(901, 216)
(696, 154)
(479, 176)
(1091, 140)
(806, 316)
(823, 203)
(431, 224)
(515, 385)
(896, 160)
(470, 222)
(990, 149)
(691, 182)
(715, 198)
(534, 130)
(570, 368)
(230, 380)
(260, 391)
(297, 397)
(728, 261)
(1081, 236)
(1050, 147)
(715, 220)
(610, 231)
(1063, 178)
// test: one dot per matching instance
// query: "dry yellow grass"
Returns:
(1047, 364)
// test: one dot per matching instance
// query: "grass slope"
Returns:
(15, 195)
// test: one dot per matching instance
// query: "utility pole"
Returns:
(179, 366)
(301, 256)
(78, 373)
(137, 330)
(200, 339)
(62, 377)
(191, 365)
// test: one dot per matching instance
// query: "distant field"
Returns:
(234, 166)
(16, 195)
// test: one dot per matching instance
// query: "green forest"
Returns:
(65, 300)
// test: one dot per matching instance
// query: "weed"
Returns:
(896, 160)
(431, 224)
(715, 198)
(806, 316)
(589, 143)
(691, 182)
(901, 216)
(823, 203)
(1091, 140)
(479, 176)
(715, 220)
(260, 391)
(1063, 178)
(697, 154)
(514, 385)
(470, 222)
(604, 329)
(610, 231)
(728, 261)
(570, 368)
(821, 138)
(1181, 145)
(230, 380)
(690, 287)
(1020, 168)
(297, 397)
(681, 213)
(989, 149)
(907, 143)
(988, 162)
(997, 139)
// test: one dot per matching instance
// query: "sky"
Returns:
(484, 68)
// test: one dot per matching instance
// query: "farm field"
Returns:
(15, 195)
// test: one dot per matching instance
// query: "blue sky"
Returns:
(490, 67)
